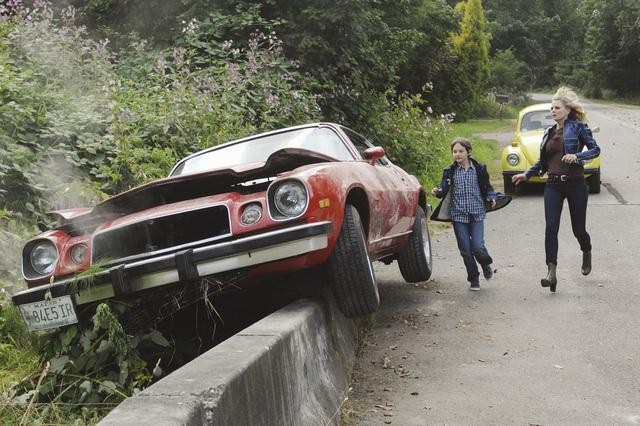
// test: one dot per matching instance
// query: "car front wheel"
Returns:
(594, 183)
(509, 186)
(350, 270)
(415, 260)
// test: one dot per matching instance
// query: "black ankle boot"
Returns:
(586, 262)
(550, 280)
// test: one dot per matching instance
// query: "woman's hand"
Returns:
(519, 178)
(436, 191)
(493, 202)
(570, 158)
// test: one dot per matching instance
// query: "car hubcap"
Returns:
(426, 244)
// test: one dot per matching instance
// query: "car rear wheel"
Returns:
(415, 259)
(594, 183)
(350, 270)
(509, 186)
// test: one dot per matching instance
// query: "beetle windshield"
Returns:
(318, 139)
(536, 120)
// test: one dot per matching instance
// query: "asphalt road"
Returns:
(513, 353)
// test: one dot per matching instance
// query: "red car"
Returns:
(306, 196)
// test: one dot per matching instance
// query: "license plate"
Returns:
(48, 314)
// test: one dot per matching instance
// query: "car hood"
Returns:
(188, 186)
(530, 145)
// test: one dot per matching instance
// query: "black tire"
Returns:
(509, 186)
(594, 183)
(350, 270)
(415, 260)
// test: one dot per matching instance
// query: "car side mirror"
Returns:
(374, 154)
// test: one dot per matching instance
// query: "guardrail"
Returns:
(291, 368)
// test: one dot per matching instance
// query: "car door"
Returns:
(389, 189)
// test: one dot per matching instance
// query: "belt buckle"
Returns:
(563, 178)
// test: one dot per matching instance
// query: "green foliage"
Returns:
(75, 129)
(196, 97)
(413, 139)
(612, 48)
(471, 45)
(349, 48)
(543, 34)
(17, 357)
(509, 75)
(91, 368)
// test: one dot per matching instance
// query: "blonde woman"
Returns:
(562, 157)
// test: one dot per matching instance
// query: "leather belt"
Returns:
(564, 178)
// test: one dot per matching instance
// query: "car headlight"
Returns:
(79, 253)
(43, 257)
(251, 214)
(290, 198)
(513, 159)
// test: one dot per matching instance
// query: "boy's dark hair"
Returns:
(466, 143)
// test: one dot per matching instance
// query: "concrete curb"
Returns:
(291, 368)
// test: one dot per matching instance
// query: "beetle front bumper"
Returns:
(185, 265)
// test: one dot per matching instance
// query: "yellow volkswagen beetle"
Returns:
(524, 149)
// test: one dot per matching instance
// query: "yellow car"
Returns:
(524, 150)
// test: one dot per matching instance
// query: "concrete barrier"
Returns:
(291, 368)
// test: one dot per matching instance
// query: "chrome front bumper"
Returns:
(185, 265)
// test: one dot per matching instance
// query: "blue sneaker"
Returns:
(475, 285)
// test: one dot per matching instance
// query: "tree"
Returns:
(471, 45)
(508, 74)
(432, 57)
(546, 35)
(612, 46)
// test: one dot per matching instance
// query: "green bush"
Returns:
(413, 138)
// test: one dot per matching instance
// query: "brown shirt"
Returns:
(555, 151)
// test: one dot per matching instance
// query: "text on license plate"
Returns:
(47, 314)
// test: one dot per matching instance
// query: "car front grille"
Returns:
(161, 234)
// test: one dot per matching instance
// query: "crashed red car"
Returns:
(306, 196)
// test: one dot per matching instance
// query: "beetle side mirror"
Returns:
(374, 154)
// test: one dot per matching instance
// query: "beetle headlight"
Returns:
(43, 257)
(290, 198)
(79, 253)
(513, 159)
(251, 214)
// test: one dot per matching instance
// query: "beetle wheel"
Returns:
(415, 260)
(509, 186)
(350, 269)
(594, 183)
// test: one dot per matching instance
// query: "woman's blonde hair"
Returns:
(570, 99)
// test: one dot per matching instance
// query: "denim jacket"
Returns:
(576, 135)
(487, 191)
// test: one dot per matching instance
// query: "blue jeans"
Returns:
(576, 194)
(470, 237)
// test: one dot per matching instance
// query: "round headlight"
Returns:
(251, 214)
(79, 253)
(513, 159)
(290, 198)
(43, 257)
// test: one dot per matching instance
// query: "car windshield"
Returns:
(318, 139)
(536, 120)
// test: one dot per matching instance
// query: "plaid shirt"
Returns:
(466, 199)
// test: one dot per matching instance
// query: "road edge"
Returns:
(292, 367)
